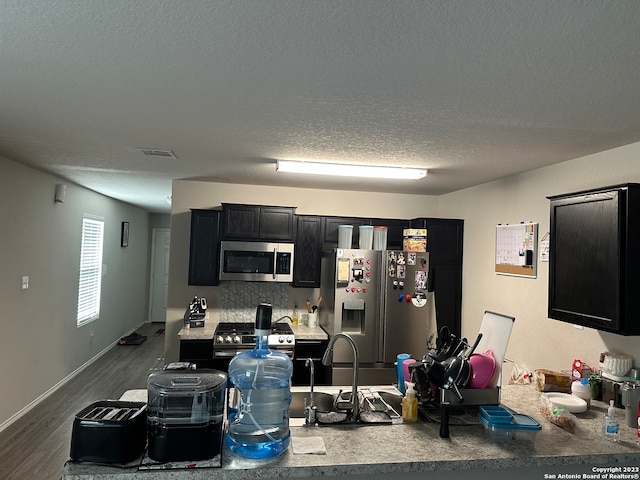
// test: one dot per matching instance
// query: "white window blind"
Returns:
(90, 269)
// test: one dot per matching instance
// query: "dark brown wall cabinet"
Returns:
(594, 259)
(394, 232)
(308, 251)
(330, 235)
(204, 247)
(258, 222)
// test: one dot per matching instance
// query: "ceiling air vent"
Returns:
(154, 152)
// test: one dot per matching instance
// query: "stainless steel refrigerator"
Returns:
(381, 300)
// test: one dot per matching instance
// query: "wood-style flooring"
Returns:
(37, 445)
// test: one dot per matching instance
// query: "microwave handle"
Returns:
(275, 261)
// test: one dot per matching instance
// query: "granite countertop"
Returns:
(301, 332)
(413, 449)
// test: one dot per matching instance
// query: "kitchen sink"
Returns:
(377, 403)
(323, 402)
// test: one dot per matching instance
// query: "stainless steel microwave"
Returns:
(256, 261)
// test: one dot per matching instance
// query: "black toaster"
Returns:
(109, 432)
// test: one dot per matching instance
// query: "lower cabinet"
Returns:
(313, 349)
(199, 352)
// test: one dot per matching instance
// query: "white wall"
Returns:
(40, 344)
(198, 194)
(536, 341)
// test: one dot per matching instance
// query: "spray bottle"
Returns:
(410, 404)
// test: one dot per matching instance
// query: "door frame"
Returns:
(154, 232)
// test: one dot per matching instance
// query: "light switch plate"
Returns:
(25, 282)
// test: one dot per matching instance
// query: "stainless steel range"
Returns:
(231, 338)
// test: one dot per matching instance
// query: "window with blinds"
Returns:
(90, 282)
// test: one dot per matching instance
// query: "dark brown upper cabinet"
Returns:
(594, 259)
(308, 251)
(204, 247)
(258, 222)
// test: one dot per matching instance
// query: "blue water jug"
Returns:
(262, 377)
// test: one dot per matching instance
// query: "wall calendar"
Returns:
(516, 249)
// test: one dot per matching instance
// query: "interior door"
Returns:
(159, 275)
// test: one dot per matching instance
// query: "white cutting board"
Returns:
(495, 330)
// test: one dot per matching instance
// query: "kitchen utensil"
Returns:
(458, 370)
(483, 366)
(462, 344)
(444, 414)
(448, 347)
(496, 330)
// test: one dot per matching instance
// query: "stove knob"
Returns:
(236, 339)
(227, 339)
(289, 339)
(220, 339)
(280, 339)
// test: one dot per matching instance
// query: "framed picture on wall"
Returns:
(124, 236)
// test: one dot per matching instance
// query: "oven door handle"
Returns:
(227, 353)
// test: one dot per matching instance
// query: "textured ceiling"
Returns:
(471, 90)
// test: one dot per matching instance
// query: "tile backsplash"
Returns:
(239, 300)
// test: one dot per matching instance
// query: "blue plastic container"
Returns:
(400, 358)
(496, 414)
(262, 377)
(521, 427)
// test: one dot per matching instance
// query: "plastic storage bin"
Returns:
(380, 238)
(185, 414)
(521, 427)
(345, 236)
(365, 237)
(496, 414)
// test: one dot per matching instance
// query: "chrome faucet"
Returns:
(327, 359)
(310, 410)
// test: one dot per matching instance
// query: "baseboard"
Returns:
(16, 416)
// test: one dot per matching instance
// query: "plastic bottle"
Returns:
(580, 388)
(410, 405)
(611, 424)
(262, 377)
(294, 317)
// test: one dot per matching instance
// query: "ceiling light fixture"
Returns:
(350, 170)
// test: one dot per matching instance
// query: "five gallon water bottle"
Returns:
(262, 377)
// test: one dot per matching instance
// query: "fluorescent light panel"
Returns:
(346, 170)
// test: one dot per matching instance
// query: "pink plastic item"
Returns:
(483, 366)
(405, 368)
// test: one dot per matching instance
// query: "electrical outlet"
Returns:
(25, 282)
